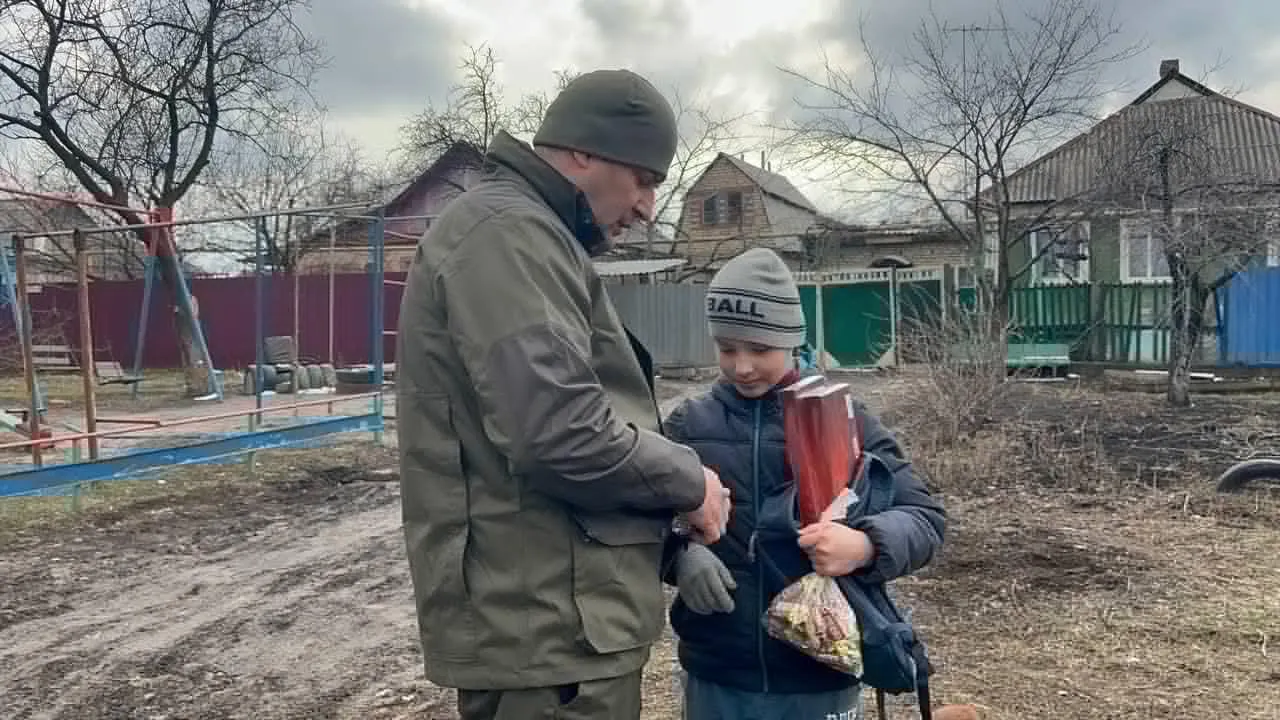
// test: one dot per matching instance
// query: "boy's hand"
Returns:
(836, 549)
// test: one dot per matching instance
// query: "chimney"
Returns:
(762, 160)
(1168, 67)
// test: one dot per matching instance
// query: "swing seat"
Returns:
(109, 372)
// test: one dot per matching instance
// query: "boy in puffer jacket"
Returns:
(733, 669)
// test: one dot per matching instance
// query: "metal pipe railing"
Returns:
(162, 424)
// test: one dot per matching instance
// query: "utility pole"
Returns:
(971, 121)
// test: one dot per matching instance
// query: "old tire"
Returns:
(315, 377)
(300, 377)
(269, 377)
(330, 374)
(1242, 474)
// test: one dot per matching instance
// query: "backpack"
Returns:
(894, 657)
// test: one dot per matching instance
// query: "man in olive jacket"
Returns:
(537, 488)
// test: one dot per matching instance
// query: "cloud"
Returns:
(391, 57)
(386, 58)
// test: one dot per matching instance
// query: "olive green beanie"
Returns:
(615, 115)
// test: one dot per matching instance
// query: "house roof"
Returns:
(790, 214)
(1241, 142)
(460, 155)
(620, 268)
(33, 215)
(771, 183)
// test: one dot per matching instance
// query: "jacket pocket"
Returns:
(436, 523)
(616, 584)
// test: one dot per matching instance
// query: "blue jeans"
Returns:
(708, 701)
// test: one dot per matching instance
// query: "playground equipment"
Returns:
(61, 478)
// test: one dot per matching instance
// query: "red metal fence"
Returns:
(227, 313)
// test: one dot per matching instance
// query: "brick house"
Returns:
(408, 215)
(51, 259)
(734, 206)
(923, 244)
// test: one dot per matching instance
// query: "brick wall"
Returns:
(921, 254)
(703, 243)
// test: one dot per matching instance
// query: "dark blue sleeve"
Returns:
(907, 534)
(673, 428)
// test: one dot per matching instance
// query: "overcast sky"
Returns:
(390, 57)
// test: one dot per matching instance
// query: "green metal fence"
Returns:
(857, 309)
(1101, 322)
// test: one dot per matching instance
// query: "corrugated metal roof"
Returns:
(617, 268)
(772, 183)
(30, 215)
(1229, 141)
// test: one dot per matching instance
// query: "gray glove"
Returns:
(704, 581)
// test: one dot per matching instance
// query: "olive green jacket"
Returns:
(537, 489)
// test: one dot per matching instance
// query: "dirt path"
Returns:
(283, 599)
(293, 603)
(288, 596)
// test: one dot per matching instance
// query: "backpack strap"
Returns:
(879, 484)
(923, 701)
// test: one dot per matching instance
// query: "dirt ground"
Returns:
(1089, 572)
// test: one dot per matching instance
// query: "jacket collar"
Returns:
(562, 196)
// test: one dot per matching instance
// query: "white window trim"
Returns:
(1037, 276)
(1130, 226)
(1273, 253)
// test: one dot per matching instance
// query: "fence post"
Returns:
(820, 321)
(24, 336)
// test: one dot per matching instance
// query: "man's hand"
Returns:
(711, 519)
(836, 549)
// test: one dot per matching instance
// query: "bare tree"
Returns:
(953, 121)
(131, 96)
(477, 108)
(51, 256)
(293, 165)
(1204, 208)
(703, 133)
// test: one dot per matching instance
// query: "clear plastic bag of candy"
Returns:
(813, 615)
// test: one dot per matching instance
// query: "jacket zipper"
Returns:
(751, 551)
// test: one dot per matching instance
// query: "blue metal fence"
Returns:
(1249, 319)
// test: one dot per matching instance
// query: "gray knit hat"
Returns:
(754, 299)
(616, 115)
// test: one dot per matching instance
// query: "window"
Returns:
(711, 210)
(733, 208)
(1273, 253)
(723, 208)
(1142, 255)
(1061, 254)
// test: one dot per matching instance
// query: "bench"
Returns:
(1051, 359)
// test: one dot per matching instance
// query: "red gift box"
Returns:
(823, 445)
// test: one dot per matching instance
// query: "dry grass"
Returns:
(188, 484)
(65, 390)
(1090, 571)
